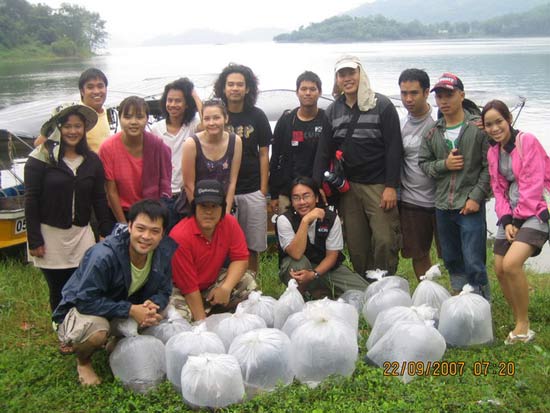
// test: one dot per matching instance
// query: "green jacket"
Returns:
(453, 188)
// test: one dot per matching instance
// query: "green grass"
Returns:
(35, 378)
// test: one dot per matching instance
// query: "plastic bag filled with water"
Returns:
(338, 308)
(354, 297)
(264, 357)
(465, 319)
(230, 327)
(167, 328)
(391, 281)
(124, 327)
(189, 343)
(383, 300)
(212, 380)
(430, 292)
(290, 302)
(139, 362)
(261, 305)
(409, 344)
(322, 346)
(387, 318)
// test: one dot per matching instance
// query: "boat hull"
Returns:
(13, 229)
(13, 226)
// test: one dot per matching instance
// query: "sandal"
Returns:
(66, 349)
(520, 338)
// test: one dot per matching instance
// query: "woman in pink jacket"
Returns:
(520, 177)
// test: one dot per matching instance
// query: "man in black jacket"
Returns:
(129, 274)
(295, 141)
(365, 127)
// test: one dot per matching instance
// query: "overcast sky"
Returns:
(140, 20)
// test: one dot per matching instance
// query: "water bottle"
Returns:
(338, 182)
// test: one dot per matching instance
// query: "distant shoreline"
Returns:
(413, 39)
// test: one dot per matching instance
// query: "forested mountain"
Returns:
(434, 11)
(535, 22)
(68, 31)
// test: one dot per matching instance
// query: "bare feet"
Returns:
(86, 374)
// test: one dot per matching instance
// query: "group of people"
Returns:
(191, 193)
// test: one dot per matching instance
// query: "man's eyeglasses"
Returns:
(305, 197)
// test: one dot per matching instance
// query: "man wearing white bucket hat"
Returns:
(365, 127)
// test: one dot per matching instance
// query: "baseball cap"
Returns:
(448, 81)
(209, 190)
(345, 61)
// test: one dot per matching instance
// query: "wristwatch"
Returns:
(316, 275)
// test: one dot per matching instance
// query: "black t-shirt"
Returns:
(294, 147)
(253, 128)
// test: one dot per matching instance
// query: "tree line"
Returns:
(360, 29)
(70, 30)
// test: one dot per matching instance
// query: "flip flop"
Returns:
(65, 349)
(520, 338)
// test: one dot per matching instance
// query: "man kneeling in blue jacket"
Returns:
(129, 274)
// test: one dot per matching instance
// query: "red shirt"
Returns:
(122, 168)
(197, 262)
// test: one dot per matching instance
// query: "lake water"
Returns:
(489, 68)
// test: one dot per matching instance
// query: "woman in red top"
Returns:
(137, 163)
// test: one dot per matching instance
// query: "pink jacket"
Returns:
(531, 168)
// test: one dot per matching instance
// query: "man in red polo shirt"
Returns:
(206, 240)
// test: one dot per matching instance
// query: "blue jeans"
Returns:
(463, 241)
(173, 216)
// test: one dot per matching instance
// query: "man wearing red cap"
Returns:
(454, 153)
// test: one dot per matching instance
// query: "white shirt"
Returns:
(175, 142)
(285, 232)
(416, 187)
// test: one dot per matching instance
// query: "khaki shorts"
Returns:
(530, 236)
(252, 216)
(418, 229)
(245, 286)
(77, 328)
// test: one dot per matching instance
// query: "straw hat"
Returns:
(66, 109)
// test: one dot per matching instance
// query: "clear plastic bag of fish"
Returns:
(229, 327)
(410, 345)
(391, 281)
(167, 328)
(384, 299)
(465, 319)
(264, 357)
(387, 318)
(375, 275)
(354, 297)
(261, 305)
(139, 362)
(124, 327)
(430, 292)
(297, 319)
(189, 343)
(338, 308)
(290, 302)
(212, 380)
(322, 346)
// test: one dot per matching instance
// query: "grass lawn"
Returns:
(35, 378)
